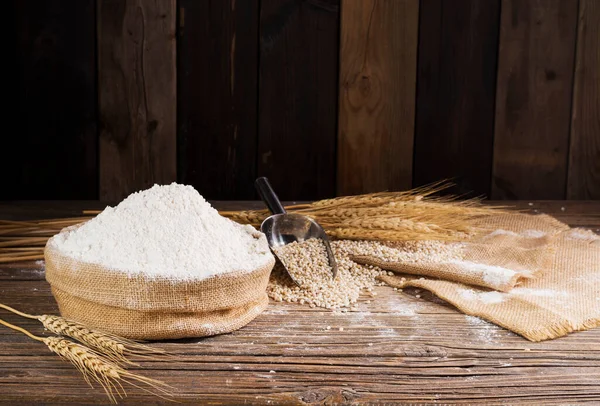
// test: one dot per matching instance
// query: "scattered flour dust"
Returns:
(476, 321)
(502, 232)
(483, 297)
(494, 275)
(494, 297)
(538, 292)
(526, 233)
(166, 232)
(582, 234)
(485, 332)
(533, 234)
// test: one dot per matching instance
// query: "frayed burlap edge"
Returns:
(550, 331)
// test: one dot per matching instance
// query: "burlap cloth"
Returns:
(140, 308)
(530, 274)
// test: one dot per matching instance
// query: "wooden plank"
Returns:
(23, 271)
(137, 95)
(397, 348)
(535, 78)
(217, 96)
(258, 386)
(458, 42)
(51, 137)
(378, 61)
(298, 96)
(584, 154)
(11, 98)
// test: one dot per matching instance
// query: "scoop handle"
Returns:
(267, 194)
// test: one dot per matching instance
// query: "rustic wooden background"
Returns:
(325, 97)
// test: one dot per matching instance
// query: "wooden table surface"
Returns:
(397, 349)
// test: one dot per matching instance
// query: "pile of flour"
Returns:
(165, 232)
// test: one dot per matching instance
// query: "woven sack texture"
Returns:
(526, 251)
(560, 293)
(141, 308)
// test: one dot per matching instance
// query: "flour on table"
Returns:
(476, 321)
(165, 232)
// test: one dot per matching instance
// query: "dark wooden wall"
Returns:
(324, 97)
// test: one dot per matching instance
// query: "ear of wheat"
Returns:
(393, 216)
(98, 356)
(96, 368)
(115, 348)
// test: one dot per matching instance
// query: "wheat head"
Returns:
(92, 366)
(396, 216)
(95, 368)
(112, 347)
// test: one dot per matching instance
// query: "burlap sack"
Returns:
(141, 308)
(515, 247)
(562, 296)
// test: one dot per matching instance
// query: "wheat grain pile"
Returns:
(308, 262)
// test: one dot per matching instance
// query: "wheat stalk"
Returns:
(91, 365)
(415, 194)
(113, 347)
(30, 235)
(390, 235)
(96, 368)
(395, 216)
(254, 217)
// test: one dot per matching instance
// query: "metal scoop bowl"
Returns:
(283, 228)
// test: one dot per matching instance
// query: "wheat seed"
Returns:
(309, 264)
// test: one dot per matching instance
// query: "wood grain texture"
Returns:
(458, 42)
(378, 63)
(533, 108)
(298, 96)
(584, 154)
(50, 139)
(217, 96)
(396, 349)
(137, 95)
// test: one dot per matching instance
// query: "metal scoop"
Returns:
(283, 228)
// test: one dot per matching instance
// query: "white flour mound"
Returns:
(165, 232)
